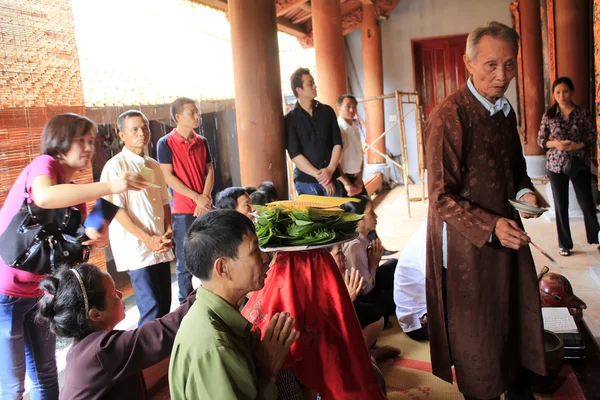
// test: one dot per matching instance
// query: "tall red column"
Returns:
(329, 50)
(373, 82)
(533, 73)
(572, 30)
(257, 81)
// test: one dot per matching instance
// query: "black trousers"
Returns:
(382, 295)
(583, 191)
(420, 334)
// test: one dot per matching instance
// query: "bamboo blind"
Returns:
(39, 78)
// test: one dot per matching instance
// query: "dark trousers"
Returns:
(583, 191)
(152, 290)
(317, 189)
(382, 295)
(181, 224)
(420, 334)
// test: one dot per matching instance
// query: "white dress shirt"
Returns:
(409, 282)
(144, 207)
(352, 154)
(503, 105)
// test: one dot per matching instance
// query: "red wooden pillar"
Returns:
(573, 49)
(373, 81)
(597, 65)
(533, 73)
(329, 50)
(259, 112)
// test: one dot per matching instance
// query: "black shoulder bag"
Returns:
(37, 240)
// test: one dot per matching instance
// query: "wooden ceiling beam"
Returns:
(306, 7)
(282, 24)
(286, 26)
(217, 4)
(303, 19)
(283, 6)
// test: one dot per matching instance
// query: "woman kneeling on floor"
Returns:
(103, 363)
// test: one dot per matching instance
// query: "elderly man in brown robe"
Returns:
(482, 295)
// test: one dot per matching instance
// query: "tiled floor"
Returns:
(395, 229)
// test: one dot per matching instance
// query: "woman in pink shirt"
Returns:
(67, 147)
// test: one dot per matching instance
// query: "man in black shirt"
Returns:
(313, 139)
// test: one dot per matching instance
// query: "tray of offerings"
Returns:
(296, 226)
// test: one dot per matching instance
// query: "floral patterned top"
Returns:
(578, 128)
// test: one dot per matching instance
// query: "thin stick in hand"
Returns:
(543, 252)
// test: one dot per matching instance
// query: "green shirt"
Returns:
(213, 355)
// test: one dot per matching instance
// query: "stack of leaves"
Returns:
(302, 226)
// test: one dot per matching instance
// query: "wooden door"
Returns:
(439, 68)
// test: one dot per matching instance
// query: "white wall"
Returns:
(418, 19)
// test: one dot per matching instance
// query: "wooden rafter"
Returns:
(288, 27)
(283, 6)
(216, 4)
(294, 23)
(282, 24)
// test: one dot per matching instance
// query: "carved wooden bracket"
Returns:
(353, 20)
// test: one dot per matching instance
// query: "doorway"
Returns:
(439, 69)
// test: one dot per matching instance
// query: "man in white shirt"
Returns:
(409, 287)
(140, 235)
(351, 162)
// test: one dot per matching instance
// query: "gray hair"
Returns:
(128, 114)
(493, 29)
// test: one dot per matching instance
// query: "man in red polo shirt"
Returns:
(185, 161)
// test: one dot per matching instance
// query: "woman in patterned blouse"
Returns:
(568, 134)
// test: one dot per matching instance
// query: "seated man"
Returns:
(234, 198)
(409, 287)
(215, 355)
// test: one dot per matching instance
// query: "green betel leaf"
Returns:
(296, 231)
(263, 221)
(301, 222)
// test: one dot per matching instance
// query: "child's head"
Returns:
(79, 300)
(259, 198)
(364, 207)
(269, 188)
(70, 139)
(234, 198)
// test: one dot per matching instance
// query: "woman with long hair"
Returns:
(568, 135)
(67, 146)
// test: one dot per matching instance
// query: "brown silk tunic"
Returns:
(494, 324)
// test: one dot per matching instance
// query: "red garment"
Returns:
(330, 356)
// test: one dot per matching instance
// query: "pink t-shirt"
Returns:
(15, 282)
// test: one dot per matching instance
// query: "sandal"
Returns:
(565, 252)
